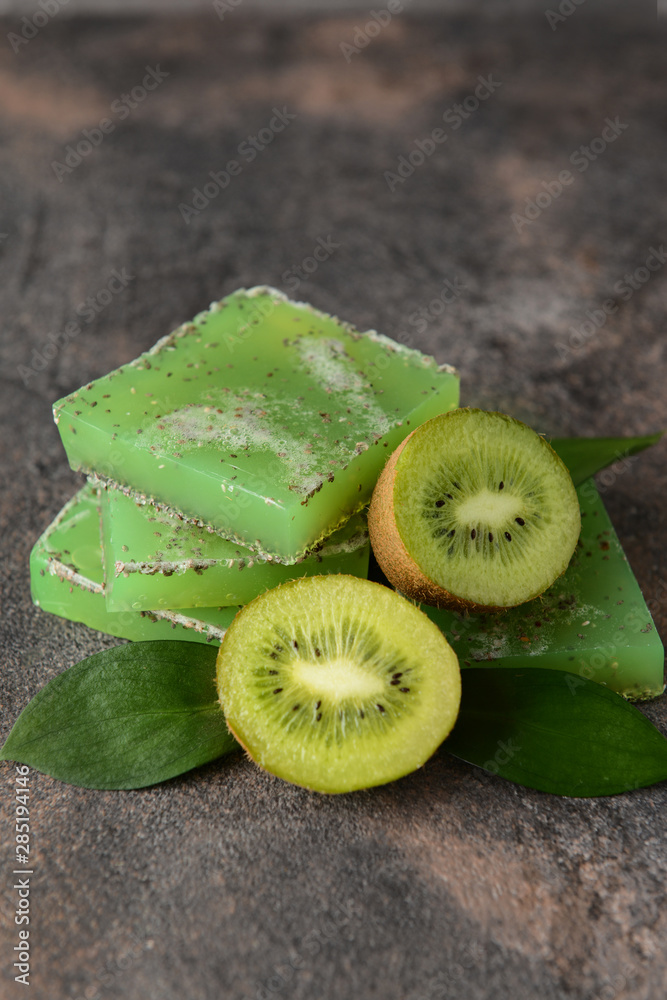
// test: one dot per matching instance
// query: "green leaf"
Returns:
(555, 731)
(586, 456)
(125, 718)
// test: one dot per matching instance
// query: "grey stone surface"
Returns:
(69, 8)
(227, 882)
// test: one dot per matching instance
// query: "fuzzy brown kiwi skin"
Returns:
(394, 559)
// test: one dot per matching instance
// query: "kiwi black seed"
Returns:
(474, 510)
(336, 683)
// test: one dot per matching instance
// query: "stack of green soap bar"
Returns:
(263, 418)
(235, 454)
(593, 621)
(67, 579)
(156, 560)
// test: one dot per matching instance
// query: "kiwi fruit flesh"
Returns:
(474, 511)
(336, 683)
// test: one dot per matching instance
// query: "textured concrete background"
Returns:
(227, 882)
(70, 8)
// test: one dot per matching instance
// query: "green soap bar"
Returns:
(66, 579)
(593, 621)
(264, 418)
(156, 560)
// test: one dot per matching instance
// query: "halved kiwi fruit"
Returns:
(474, 510)
(336, 683)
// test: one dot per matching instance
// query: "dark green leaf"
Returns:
(125, 718)
(586, 456)
(555, 731)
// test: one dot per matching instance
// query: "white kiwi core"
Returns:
(337, 679)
